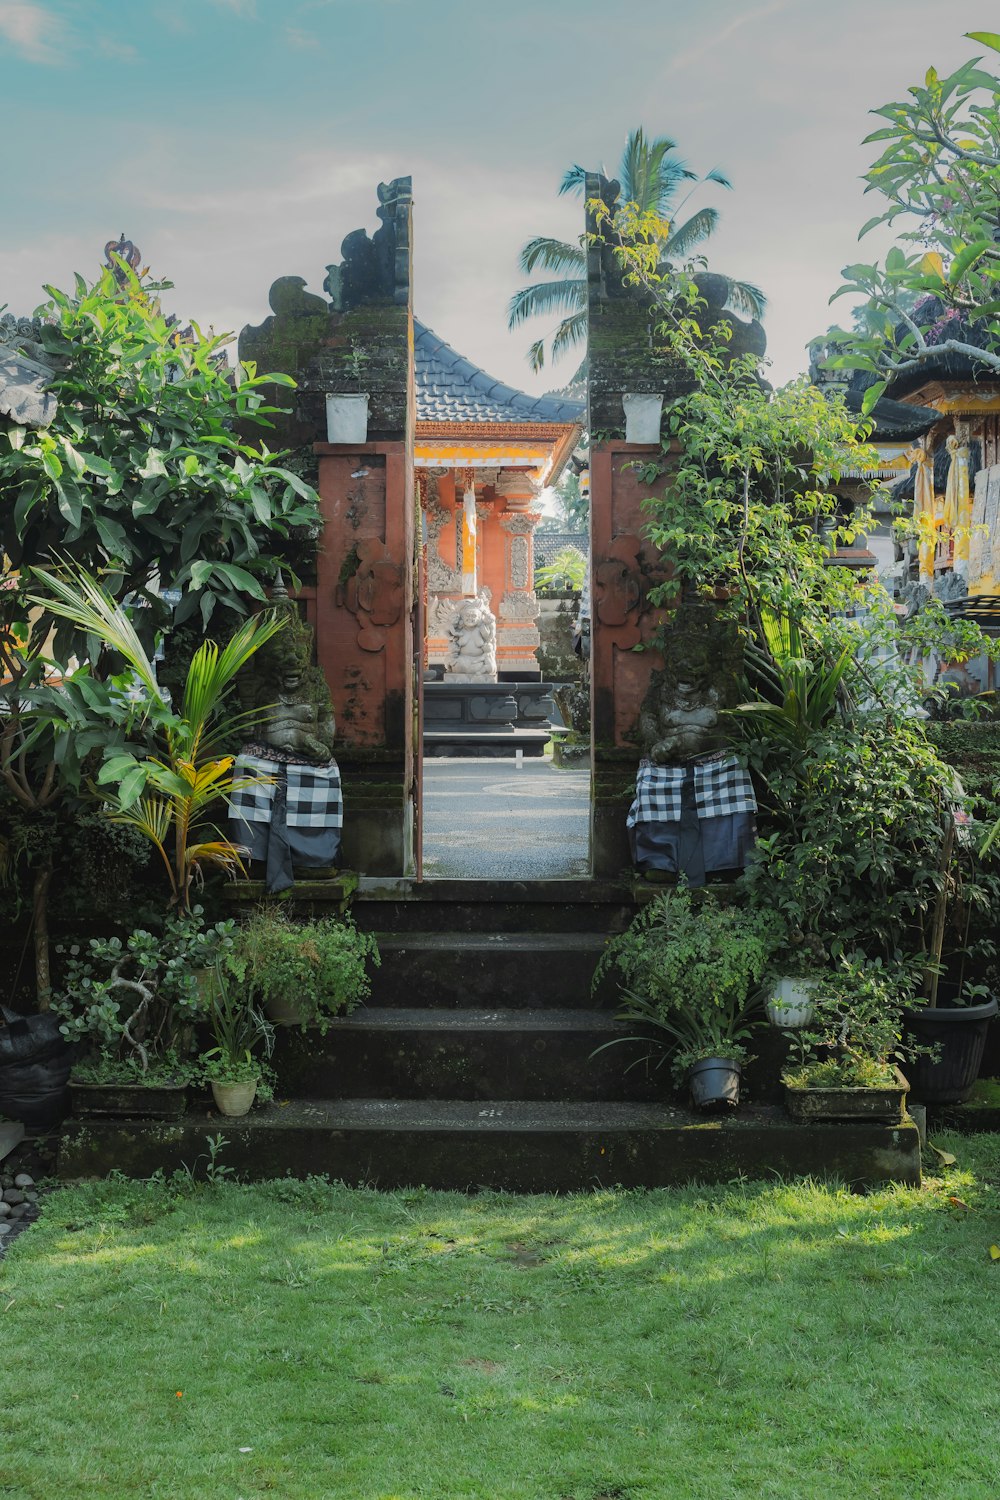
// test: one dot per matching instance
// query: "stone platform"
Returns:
(509, 1145)
(487, 718)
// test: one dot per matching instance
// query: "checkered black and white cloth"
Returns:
(721, 787)
(313, 797)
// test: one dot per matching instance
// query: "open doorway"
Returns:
(497, 801)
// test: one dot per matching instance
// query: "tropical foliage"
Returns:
(858, 802)
(168, 769)
(938, 292)
(688, 968)
(651, 176)
(320, 965)
(135, 1001)
(142, 478)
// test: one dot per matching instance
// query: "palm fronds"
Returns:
(165, 792)
(567, 295)
(552, 255)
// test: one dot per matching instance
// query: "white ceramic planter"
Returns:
(347, 418)
(642, 417)
(234, 1099)
(791, 1002)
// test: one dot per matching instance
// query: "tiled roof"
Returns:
(549, 544)
(453, 389)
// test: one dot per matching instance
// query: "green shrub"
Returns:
(318, 966)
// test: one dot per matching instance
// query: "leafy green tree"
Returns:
(938, 291)
(744, 508)
(143, 480)
(650, 176)
(142, 477)
(572, 506)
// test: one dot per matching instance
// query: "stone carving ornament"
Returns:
(682, 714)
(520, 607)
(442, 576)
(519, 573)
(472, 643)
(288, 694)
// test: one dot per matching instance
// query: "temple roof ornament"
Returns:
(451, 388)
(126, 251)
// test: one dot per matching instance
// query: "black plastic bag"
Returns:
(35, 1062)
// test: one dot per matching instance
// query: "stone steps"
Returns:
(473, 1067)
(481, 1054)
(490, 906)
(516, 970)
(508, 1145)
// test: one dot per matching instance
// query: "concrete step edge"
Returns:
(493, 942)
(398, 1018)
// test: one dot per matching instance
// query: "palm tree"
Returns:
(650, 175)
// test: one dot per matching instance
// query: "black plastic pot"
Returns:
(960, 1033)
(715, 1084)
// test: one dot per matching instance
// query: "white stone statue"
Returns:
(472, 643)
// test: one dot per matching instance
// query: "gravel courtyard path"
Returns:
(485, 819)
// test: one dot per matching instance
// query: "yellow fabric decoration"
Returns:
(923, 511)
(957, 504)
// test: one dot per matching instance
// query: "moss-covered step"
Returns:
(980, 1112)
(404, 905)
(472, 969)
(508, 1145)
(404, 1053)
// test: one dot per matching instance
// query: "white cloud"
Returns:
(32, 31)
(247, 8)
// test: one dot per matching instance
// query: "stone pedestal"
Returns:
(486, 718)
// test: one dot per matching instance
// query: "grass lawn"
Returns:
(302, 1341)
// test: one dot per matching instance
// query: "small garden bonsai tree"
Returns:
(856, 1032)
(134, 1004)
(689, 968)
(315, 969)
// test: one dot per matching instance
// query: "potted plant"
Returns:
(236, 1075)
(844, 1062)
(120, 1087)
(689, 968)
(796, 971)
(951, 1020)
(347, 411)
(133, 1005)
(302, 973)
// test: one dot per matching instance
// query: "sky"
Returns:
(235, 141)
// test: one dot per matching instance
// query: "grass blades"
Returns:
(304, 1340)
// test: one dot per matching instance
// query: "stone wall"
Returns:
(360, 340)
(629, 672)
